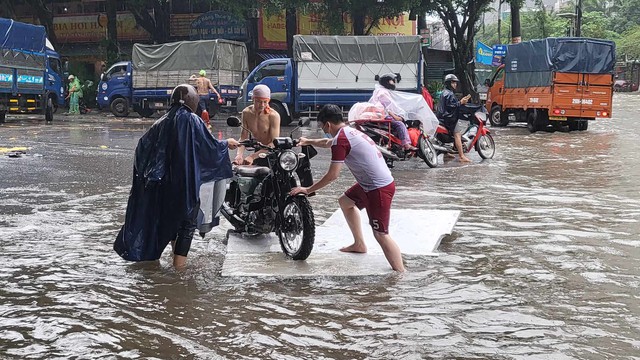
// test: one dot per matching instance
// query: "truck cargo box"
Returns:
(171, 64)
(352, 62)
(533, 63)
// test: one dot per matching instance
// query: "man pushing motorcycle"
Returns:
(374, 188)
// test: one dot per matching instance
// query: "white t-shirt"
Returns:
(361, 156)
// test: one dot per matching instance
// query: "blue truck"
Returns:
(144, 84)
(341, 70)
(30, 71)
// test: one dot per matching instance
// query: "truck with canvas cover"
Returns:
(564, 82)
(30, 71)
(145, 83)
(341, 70)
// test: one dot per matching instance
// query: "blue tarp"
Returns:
(15, 35)
(572, 55)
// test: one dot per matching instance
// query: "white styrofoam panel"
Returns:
(331, 76)
(262, 256)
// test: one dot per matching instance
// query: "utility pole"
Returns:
(499, 21)
(578, 18)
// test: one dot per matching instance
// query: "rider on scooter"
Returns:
(395, 114)
(448, 108)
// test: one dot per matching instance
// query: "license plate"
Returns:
(158, 104)
(228, 102)
(483, 96)
(557, 118)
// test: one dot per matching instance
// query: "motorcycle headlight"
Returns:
(288, 160)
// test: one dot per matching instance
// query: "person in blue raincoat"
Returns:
(172, 159)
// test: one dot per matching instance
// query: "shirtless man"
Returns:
(203, 85)
(261, 121)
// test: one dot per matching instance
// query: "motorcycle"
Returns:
(257, 200)
(476, 135)
(390, 145)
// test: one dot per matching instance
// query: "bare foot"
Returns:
(354, 248)
(464, 159)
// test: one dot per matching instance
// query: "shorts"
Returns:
(377, 202)
(461, 126)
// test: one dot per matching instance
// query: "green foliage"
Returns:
(629, 43)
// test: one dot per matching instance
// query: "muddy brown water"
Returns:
(541, 265)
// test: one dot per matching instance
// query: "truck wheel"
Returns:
(48, 110)
(532, 125)
(3, 115)
(573, 125)
(497, 118)
(583, 125)
(145, 112)
(120, 107)
(285, 119)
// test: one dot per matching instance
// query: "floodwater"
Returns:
(541, 265)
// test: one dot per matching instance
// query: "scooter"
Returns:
(390, 145)
(258, 201)
(476, 135)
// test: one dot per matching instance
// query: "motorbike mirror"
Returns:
(487, 82)
(233, 121)
(103, 77)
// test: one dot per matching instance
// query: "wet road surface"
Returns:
(541, 265)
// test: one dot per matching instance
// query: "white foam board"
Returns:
(417, 232)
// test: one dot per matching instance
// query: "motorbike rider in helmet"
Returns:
(448, 112)
(382, 96)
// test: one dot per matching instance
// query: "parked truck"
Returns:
(30, 71)
(144, 84)
(341, 70)
(563, 82)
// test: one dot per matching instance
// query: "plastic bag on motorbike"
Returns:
(366, 111)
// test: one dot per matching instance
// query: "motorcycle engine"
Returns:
(261, 221)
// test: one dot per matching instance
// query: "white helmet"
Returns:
(450, 78)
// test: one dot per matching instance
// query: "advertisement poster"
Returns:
(93, 28)
(218, 25)
(272, 32)
(484, 53)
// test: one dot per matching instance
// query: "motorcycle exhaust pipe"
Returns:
(387, 153)
(440, 148)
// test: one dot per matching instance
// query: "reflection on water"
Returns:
(541, 265)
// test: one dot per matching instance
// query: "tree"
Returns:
(629, 44)
(460, 19)
(113, 54)
(516, 34)
(45, 16)
(158, 24)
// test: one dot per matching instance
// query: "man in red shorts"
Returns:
(374, 188)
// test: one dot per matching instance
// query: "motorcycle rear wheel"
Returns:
(427, 152)
(298, 230)
(485, 146)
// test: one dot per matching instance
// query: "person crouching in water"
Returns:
(374, 187)
(172, 159)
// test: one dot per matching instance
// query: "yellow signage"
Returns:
(93, 28)
(273, 34)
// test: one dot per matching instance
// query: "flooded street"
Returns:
(542, 263)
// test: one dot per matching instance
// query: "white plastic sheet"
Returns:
(409, 106)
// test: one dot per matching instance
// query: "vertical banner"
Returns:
(499, 52)
(272, 32)
(484, 53)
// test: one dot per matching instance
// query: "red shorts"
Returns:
(377, 203)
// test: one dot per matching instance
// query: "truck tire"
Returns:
(48, 110)
(285, 119)
(583, 125)
(145, 112)
(120, 107)
(532, 125)
(497, 118)
(3, 115)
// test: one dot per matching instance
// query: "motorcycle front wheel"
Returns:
(427, 152)
(298, 230)
(485, 146)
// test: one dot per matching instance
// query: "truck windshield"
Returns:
(118, 70)
(269, 70)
